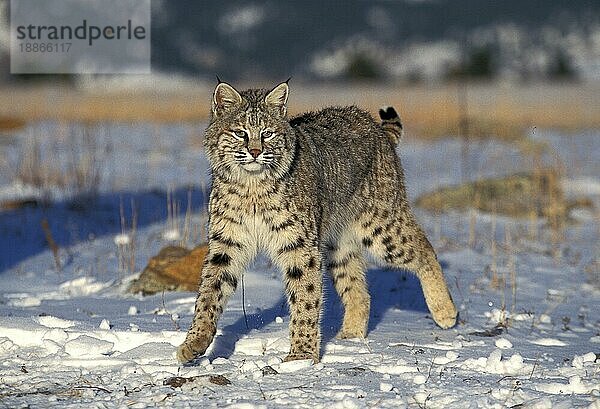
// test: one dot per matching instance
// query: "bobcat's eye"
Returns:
(240, 134)
(267, 135)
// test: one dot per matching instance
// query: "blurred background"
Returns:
(533, 59)
(407, 41)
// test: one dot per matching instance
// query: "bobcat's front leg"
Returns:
(223, 266)
(300, 261)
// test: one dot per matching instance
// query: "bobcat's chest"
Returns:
(265, 217)
(269, 224)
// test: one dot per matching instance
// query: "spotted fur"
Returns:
(313, 192)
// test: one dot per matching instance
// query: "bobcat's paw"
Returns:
(300, 356)
(351, 333)
(191, 348)
(445, 317)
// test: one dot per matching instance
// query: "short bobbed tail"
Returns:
(391, 123)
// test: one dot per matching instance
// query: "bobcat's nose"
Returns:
(255, 152)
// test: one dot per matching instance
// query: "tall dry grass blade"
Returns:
(187, 220)
(51, 243)
(494, 266)
(120, 245)
(132, 237)
(463, 128)
(511, 266)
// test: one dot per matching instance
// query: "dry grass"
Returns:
(507, 111)
(516, 195)
(126, 241)
(73, 163)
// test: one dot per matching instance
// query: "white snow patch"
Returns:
(496, 315)
(575, 385)
(23, 333)
(496, 365)
(27, 301)
(548, 342)
(274, 360)
(294, 366)
(122, 239)
(220, 361)
(400, 368)
(172, 235)
(522, 316)
(503, 343)
(85, 346)
(332, 358)
(57, 335)
(6, 345)
(250, 346)
(419, 379)
(421, 397)
(385, 387)
(580, 361)
(249, 366)
(278, 345)
(54, 322)
(104, 324)
(82, 286)
(150, 352)
(450, 356)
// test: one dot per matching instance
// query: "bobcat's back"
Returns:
(341, 153)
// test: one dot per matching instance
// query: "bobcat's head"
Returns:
(249, 136)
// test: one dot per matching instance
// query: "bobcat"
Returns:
(312, 192)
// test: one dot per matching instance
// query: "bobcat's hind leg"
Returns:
(400, 241)
(346, 264)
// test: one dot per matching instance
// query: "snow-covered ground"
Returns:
(74, 338)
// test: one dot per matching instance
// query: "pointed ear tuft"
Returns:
(277, 98)
(224, 97)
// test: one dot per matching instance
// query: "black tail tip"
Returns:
(388, 113)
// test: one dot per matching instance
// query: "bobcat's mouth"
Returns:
(252, 167)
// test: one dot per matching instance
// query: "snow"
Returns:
(250, 346)
(503, 343)
(386, 387)
(294, 366)
(73, 337)
(104, 324)
(121, 239)
(172, 235)
(85, 346)
(548, 342)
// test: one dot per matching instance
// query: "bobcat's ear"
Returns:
(224, 97)
(278, 97)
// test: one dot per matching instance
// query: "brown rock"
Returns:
(15, 204)
(174, 268)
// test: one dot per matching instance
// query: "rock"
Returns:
(178, 381)
(174, 268)
(14, 204)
